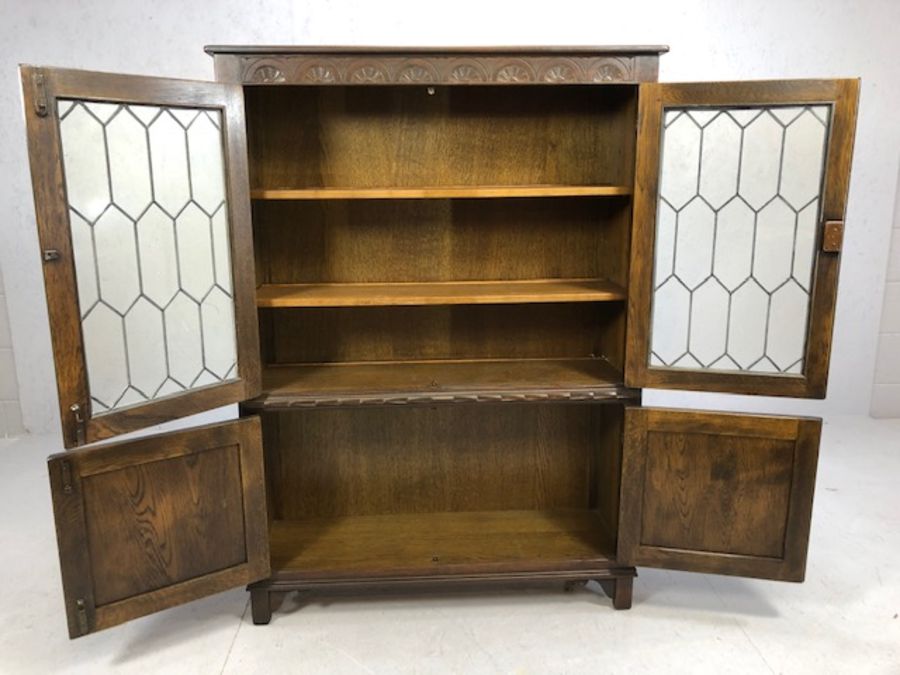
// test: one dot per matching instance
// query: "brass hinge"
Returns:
(80, 424)
(81, 613)
(40, 94)
(833, 236)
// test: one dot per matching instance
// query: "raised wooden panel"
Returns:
(718, 492)
(148, 524)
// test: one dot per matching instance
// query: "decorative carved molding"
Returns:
(516, 72)
(319, 73)
(275, 401)
(377, 69)
(266, 74)
(468, 72)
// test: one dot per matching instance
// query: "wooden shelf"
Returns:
(443, 192)
(438, 293)
(436, 544)
(460, 381)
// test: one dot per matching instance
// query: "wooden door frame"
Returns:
(654, 97)
(42, 87)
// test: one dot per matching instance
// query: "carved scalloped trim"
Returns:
(561, 71)
(274, 402)
(337, 69)
(610, 69)
(265, 71)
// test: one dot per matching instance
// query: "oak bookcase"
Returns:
(436, 281)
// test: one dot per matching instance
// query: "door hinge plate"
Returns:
(833, 236)
(81, 613)
(66, 471)
(80, 423)
(41, 107)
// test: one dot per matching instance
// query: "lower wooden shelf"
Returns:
(440, 544)
(357, 383)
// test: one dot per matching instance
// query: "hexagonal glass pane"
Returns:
(804, 151)
(694, 243)
(195, 252)
(146, 347)
(129, 164)
(671, 321)
(747, 329)
(158, 255)
(116, 251)
(720, 160)
(217, 315)
(84, 160)
(665, 244)
(104, 355)
(85, 265)
(207, 171)
(709, 322)
(774, 244)
(761, 160)
(733, 258)
(169, 162)
(152, 252)
(184, 340)
(680, 161)
(747, 216)
(787, 325)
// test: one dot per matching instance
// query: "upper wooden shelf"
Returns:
(444, 192)
(442, 381)
(438, 293)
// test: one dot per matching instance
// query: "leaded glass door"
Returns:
(739, 204)
(143, 213)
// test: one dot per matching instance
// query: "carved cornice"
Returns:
(447, 69)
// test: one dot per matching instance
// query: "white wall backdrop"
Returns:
(710, 40)
(886, 388)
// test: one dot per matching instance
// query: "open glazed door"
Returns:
(143, 211)
(718, 492)
(148, 524)
(740, 191)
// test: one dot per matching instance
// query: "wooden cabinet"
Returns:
(436, 282)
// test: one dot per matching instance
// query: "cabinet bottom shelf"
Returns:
(433, 546)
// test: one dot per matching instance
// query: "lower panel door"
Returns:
(718, 492)
(156, 522)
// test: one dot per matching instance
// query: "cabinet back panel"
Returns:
(398, 136)
(412, 459)
(441, 240)
(442, 332)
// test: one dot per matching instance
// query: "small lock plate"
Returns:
(833, 236)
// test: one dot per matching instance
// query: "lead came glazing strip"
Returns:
(739, 200)
(148, 215)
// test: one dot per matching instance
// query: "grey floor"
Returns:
(844, 619)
